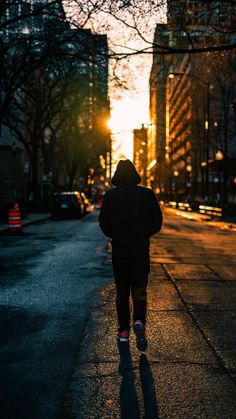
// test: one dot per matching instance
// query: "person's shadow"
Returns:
(129, 406)
(148, 389)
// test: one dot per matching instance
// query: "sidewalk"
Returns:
(222, 224)
(180, 376)
(33, 218)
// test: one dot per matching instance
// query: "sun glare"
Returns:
(126, 115)
(131, 111)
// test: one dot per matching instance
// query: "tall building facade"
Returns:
(49, 43)
(23, 26)
(140, 152)
(200, 12)
(192, 105)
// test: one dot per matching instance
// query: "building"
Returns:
(182, 13)
(140, 153)
(192, 106)
(75, 60)
(21, 25)
(98, 99)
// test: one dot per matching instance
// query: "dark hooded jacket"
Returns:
(129, 215)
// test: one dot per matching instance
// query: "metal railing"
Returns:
(214, 212)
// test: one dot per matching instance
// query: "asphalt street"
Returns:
(59, 356)
(49, 276)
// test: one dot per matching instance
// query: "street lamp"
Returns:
(219, 157)
(188, 181)
(176, 174)
(207, 124)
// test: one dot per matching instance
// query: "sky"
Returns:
(129, 100)
(130, 107)
(128, 112)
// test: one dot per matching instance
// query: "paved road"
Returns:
(49, 276)
(59, 357)
(189, 369)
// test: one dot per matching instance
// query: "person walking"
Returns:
(130, 215)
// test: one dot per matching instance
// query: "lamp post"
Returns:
(176, 174)
(219, 157)
(207, 123)
(188, 183)
(168, 150)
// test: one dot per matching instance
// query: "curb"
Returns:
(25, 224)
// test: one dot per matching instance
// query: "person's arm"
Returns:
(104, 217)
(155, 215)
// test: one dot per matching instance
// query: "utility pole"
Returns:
(207, 135)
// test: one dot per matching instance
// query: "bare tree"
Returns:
(27, 44)
(27, 27)
(134, 23)
(38, 109)
(22, 31)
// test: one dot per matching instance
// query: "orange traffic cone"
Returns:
(14, 219)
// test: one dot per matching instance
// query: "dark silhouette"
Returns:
(129, 400)
(130, 215)
(129, 406)
(148, 389)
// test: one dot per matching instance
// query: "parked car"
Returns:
(67, 204)
(87, 203)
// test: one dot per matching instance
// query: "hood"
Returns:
(125, 174)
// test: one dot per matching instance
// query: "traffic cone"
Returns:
(14, 219)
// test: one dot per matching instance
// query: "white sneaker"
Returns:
(123, 336)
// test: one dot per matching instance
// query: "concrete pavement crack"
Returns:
(214, 272)
(156, 362)
(195, 321)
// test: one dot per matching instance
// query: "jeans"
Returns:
(132, 281)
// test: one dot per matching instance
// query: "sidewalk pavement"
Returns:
(33, 218)
(222, 224)
(180, 376)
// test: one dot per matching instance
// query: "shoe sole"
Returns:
(122, 340)
(141, 340)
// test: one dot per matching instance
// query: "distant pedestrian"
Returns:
(130, 215)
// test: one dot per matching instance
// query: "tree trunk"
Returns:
(34, 187)
(225, 167)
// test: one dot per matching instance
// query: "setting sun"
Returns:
(126, 115)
